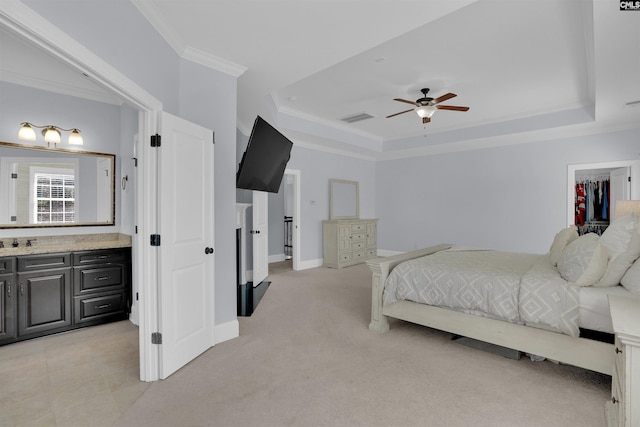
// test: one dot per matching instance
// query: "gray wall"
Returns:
(511, 198)
(316, 168)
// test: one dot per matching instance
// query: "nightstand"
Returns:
(623, 408)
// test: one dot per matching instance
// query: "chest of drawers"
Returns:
(348, 241)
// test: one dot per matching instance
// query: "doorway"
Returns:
(622, 184)
(291, 219)
(18, 19)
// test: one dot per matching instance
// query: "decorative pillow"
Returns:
(622, 242)
(560, 241)
(583, 261)
(631, 279)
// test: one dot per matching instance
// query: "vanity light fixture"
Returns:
(51, 134)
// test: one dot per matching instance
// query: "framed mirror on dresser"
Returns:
(344, 199)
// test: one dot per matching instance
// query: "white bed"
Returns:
(587, 288)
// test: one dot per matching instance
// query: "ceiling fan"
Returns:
(426, 106)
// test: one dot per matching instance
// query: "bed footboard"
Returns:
(381, 267)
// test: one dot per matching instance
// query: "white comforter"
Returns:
(514, 287)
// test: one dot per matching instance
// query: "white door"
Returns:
(186, 260)
(260, 233)
(619, 188)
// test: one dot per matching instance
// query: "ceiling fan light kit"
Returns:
(425, 111)
(426, 106)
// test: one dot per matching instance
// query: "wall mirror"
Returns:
(344, 200)
(55, 187)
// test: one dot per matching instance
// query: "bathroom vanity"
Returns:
(59, 283)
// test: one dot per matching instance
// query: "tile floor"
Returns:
(86, 377)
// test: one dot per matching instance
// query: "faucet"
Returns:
(15, 243)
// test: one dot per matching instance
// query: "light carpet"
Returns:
(306, 358)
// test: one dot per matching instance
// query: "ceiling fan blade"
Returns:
(401, 112)
(444, 97)
(406, 100)
(452, 108)
(426, 120)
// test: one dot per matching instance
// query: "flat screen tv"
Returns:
(263, 162)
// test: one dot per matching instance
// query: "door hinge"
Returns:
(136, 296)
(156, 338)
(156, 140)
(629, 178)
(155, 240)
(214, 138)
(136, 230)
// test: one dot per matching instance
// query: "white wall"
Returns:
(510, 198)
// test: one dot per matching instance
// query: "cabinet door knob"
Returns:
(208, 250)
(618, 351)
(614, 400)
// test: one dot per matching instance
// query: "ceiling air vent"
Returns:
(357, 118)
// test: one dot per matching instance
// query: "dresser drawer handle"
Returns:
(100, 307)
(614, 400)
(102, 278)
(618, 351)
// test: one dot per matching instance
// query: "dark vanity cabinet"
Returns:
(101, 285)
(55, 292)
(8, 299)
(44, 293)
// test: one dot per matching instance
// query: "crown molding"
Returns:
(60, 88)
(151, 13)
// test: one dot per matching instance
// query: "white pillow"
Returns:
(560, 241)
(631, 279)
(583, 261)
(622, 242)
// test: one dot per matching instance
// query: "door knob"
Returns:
(208, 250)
(255, 231)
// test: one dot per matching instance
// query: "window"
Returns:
(55, 198)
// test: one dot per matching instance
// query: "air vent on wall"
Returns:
(357, 118)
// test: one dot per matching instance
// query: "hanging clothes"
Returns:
(605, 200)
(580, 204)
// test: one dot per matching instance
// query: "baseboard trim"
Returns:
(276, 258)
(312, 263)
(226, 331)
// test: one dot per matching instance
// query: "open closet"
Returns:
(594, 190)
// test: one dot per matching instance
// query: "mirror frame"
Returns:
(332, 206)
(74, 152)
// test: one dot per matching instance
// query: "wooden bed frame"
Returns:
(585, 353)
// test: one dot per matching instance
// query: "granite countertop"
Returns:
(68, 243)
